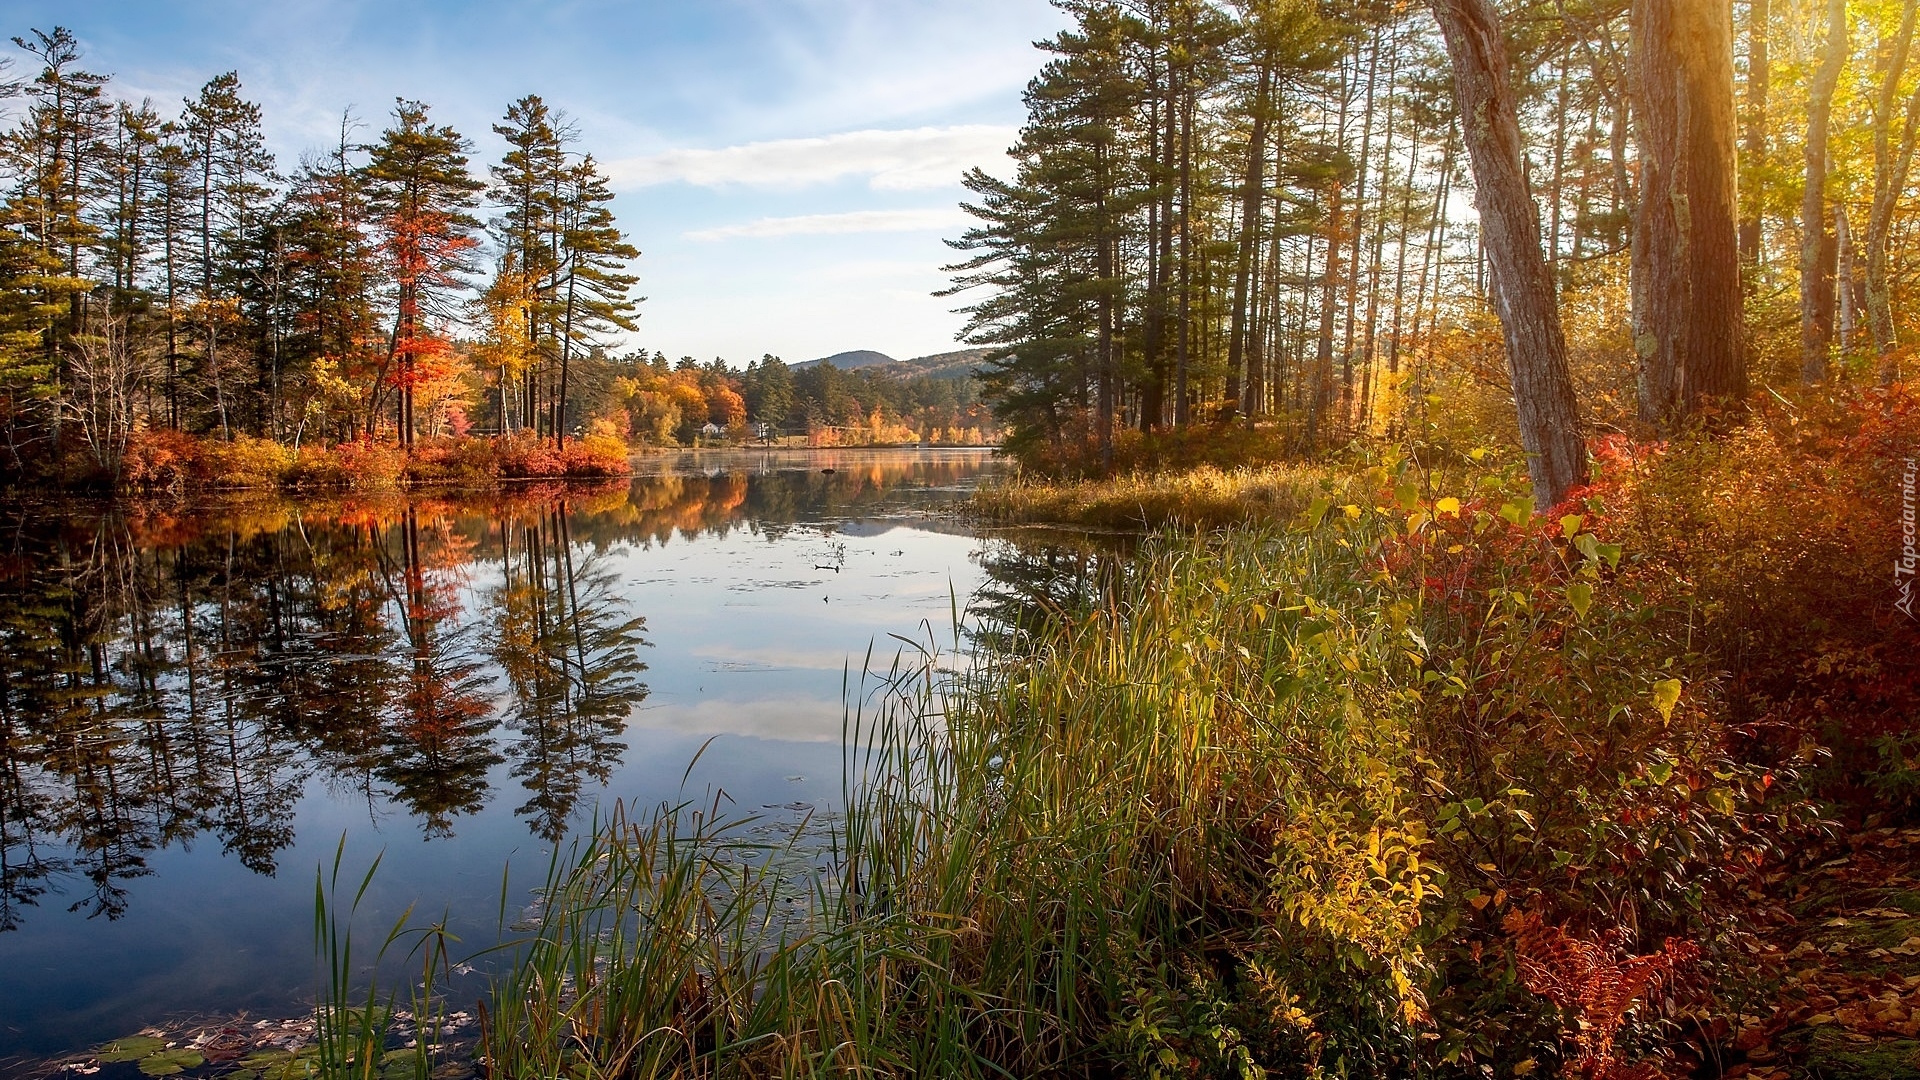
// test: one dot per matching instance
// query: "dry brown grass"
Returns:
(1204, 497)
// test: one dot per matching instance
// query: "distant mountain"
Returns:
(952, 366)
(956, 365)
(848, 361)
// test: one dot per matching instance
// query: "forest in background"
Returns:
(1274, 212)
(178, 307)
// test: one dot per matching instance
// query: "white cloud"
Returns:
(902, 160)
(857, 221)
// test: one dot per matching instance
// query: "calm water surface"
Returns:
(197, 704)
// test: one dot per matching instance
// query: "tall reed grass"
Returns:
(1166, 840)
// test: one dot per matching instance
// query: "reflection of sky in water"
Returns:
(757, 594)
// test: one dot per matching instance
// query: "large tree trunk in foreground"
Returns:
(1818, 249)
(1686, 259)
(1510, 227)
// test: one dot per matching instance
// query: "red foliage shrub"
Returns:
(160, 459)
(523, 457)
(1779, 541)
(527, 457)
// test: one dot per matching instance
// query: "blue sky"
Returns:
(787, 167)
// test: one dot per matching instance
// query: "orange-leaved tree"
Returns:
(422, 194)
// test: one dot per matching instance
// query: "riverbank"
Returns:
(162, 461)
(177, 462)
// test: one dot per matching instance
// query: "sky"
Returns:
(788, 168)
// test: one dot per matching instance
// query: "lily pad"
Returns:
(279, 1065)
(131, 1048)
(169, 1062)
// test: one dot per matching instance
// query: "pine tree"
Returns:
(527, 185)
(595, 292)
(129, 164)
(176, 195)
(222, 132)
(422, 196)
(54, 154)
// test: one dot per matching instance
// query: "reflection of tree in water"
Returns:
(162, 680)
(570, 657)
(177, 673)
(771, 493)
(438, 745)
(1034, 582)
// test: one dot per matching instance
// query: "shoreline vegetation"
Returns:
(179, 309)
(175, 463)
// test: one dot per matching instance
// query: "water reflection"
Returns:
(179, 674)
(1034, 580)
(569, 654)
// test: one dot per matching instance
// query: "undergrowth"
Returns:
(162, 460)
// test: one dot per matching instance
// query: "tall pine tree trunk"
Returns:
(1510, 226)
(1687, 304)
(1818, 248)
(1759, 80)
(1251, 199)
(1184, 345)
(1890, 170)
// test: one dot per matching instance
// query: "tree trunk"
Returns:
(566, 364)
(1251, 200)
(1510, 225)
(1359, 235)
(1687, 306)
(1845, 282)
(1185, 341)
(1817, 245)
(1759, 80)
(1890, 171)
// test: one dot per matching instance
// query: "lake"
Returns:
(201, 704)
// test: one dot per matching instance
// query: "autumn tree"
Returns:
(1892, 169)
(422, 197)
(1818, 247)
